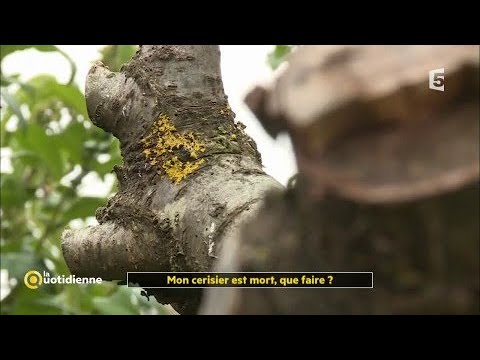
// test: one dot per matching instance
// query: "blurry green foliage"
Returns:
(8, 49)
(114, 55)
(46, 130)
(278, 55)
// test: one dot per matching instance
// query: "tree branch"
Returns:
(190, 177)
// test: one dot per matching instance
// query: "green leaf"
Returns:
(44, 91)
(7, 80)
(106, 288)
(8, 49)
(18, 264)
(32, 302)
(12, 103)
(107, 167)
(71, 141)
(114, 56)
(83, 207)
(26, 158)
(74, 299)
(47, 87)
(278, 55)
(118, 304)
(36, 140)
(13, 192)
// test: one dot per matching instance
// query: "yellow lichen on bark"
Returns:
(162, 145)
(177, 170)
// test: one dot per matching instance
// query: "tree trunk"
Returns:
(190, 176)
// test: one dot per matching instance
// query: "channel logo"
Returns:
(436, 79)
(33, 279)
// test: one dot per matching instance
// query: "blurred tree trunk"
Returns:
(388, 182)
(424, 256)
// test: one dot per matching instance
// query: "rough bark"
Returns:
(190, 175)
(388, 183)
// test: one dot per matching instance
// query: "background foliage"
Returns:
(53, 146)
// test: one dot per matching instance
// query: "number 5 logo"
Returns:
(436, 79)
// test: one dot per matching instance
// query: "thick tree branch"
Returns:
(190, 177)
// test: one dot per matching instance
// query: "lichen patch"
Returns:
(164, 145)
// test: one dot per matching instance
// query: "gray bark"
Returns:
(160, 220)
